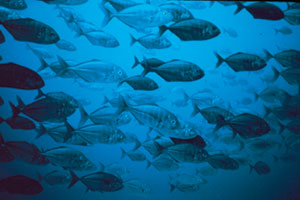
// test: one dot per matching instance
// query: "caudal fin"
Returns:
(41, 130)
(40, 94)
(74, 180)
(196, 110)
(108, 15)
(220, 123)
(276, 74)
(240, 7)
(84, 116)
(15, 110)
(136, 62)
(162, 29)
(124, 153)
(44, 65)
(251, 168)
(268, 55)
(281, 127)
(267, 110)
(220, 60)
(133, 40)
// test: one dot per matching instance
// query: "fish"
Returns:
(177, 71)
(14, 4)
(242, 62)
(164, 163)
(65, 2)
(106, 115)
(19, 122)
(260, 167)
(283, 30)
(2, 38)
(100, 38)
(212, 114)
(55, 177)
(140, 16)
(292, 16)
(153, 116)
(20, 184)
(45, 109)
(288, 58)
(65, 45)
(222, 161)
(40, 52)
(293, 126)
(69, 158)
(92, 71)
(148, 63)
(246, 125)
(261, 10)
(291, 75)
(98, 181)
(151, 41)
(137, 186)
(192, 30)
(231, 32)
(133, 155)
(272, 94)
(1, 101)
(31, 30)
(197, 140)
(156, 145)
(262, 144)
(16, 76)
(140, 83)
(285, 112)
(186, 152)
(186, 182)
(5, 154)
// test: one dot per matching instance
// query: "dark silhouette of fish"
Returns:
(19, 122)
(30, 30)
(14, 4)
(20, 184)
(16, 76)
(198, 141)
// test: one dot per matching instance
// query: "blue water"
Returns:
(254, 35)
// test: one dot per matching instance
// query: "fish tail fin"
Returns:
(41, 130)
(124, 153)
(123, 105)
(121, 82)
(148, 164)
(267, 110)
(136, 62)
(162, 29)
(137, 145)
(146, 66)
(186, 97)
(275, 158)
(196, 110)
(15, 110)
(44, 64)
(70, 129)
(133, 40)
(220, 60)
(220, 123)
(105, 100)
(172, 187)
(159, 148)
(108, 15)
(40, 177)
(276, 74)
(281, 127)
(84, 116)
(79, 32)
(256, 96)
(268, 55)
(240, 7)
(251, 168)
(40, 94)
(74, 180)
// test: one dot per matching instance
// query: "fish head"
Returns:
(213, 30)
(116, 185)
(172, 122)
(34, 81)
(120, 73)
(259, 63)
(123, 118)
(52, 36)
(164, 16)
(197, 73)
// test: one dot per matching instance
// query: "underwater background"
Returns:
(222, 87)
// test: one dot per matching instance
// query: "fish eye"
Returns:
(120, 73)
(173, 122)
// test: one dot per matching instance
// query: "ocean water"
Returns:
(232, 90)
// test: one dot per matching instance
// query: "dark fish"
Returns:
(20, 184)
(293, 126)
(148, 63)
(164, 163)
(45, 109)
(288, 58)
(211, 114)
(292, 16)
(14, 4)
(221, 161)
(30, 30)
(2, 38)
(246, 125)
(19, 122)
(65, 2)
(285, 112)
(5, 155)
(177, 71)
(26, 152)
(16, 76)
(192, 29)
(261, 10)
(198, 141)
(99, 181)
(1, 101)
(260, 167)
(56, 177)
(140, 83)
(271, 94)
(242, 62)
